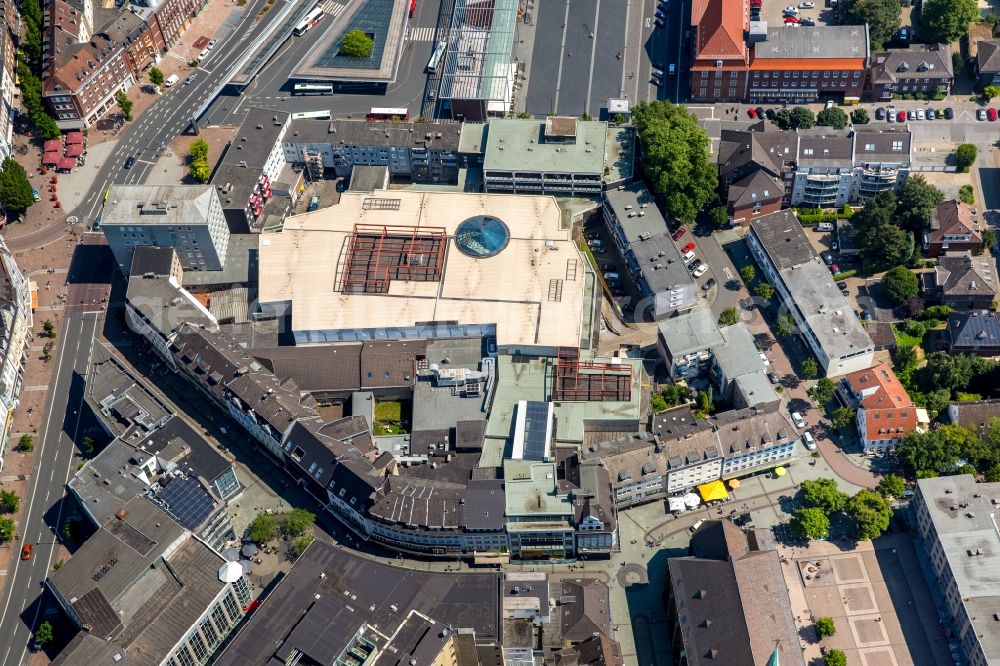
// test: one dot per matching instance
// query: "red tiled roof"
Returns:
(807, 64)
(889, 412)
(720, 24)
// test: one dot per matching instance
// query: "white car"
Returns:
(920, 114)
(830, 104)
(798, 420)
(610, 275)
(688, 256)
(764, 359)
(808, 440)
(791, 10)
(701, 270)
(807, 5)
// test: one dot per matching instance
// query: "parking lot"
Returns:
(772, 11)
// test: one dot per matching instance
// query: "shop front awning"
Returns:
(734, 483)
(713, 492)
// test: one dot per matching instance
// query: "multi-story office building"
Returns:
(418, 152)
(187, 218)
(15, 338)
(823, 316)
(957, 520)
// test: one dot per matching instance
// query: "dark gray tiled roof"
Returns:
(783, 239)
(484, 505)
(918, 61)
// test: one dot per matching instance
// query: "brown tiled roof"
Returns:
(720, 26)
(589, 611)
(953, 217)
(758, 187)
(958, 275)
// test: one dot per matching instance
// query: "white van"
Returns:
(171, 80)
(808, 441)
(688, 256)
(203, 55)
(824, 226)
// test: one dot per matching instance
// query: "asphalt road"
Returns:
(271, 90)
(146, 138)
(55, 461)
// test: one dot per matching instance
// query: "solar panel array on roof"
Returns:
(536, 430)
(187, 501)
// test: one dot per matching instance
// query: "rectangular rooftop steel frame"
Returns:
(379, 254)
(587, 381)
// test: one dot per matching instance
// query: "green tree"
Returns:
(263, 528)
(26, 443)
(585, 116)
(198, 150)
(905, 359)
(802, 118)
(957, 63)
(900, 284)
(748, 273)
(764, 290)
(822, 390)
(917, 201)
(57, 565)
(618, 120)
(810, 523)
(810, 368)
(823, 494)
(825, 627)
(882, 17)
(842, 417)
(891, 245)
(670, 135)
(200, 171)
(785, 327)
(871, 512)
(125, 104)
(48, 327)
(891, 485)
(88, 445)
(989, 92)
(657, 403)
(939, 312)
(834, 657)
(357, 44)
(704, 400)
(44, 634)
(6, 530)
(989, 236)
(729, 317)
(953, 372)
(299, 545)
(965, 156)
(832, 117)
(783, 119)
(9, 500)
(156, 76)
(938, 450)
(719, 216)
(297, 522)
(946, 21)
(966, 195)
(860, 117)
(992, 474)
(15, 189)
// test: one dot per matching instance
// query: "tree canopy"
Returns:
(822, 390)
(357, 44)
(871, 512)
(834, 657)
(883, 242)
(842, 417)
(965, 156)
(832, 117)
(917, 200)
(676, 157)
(263, 528)
(825, 627)
(938, 450)
(810, 523)
(882, 17)
(900, 284)
(824, 495)
(9, 500)
(729, 317)
(15, 188)
(891, 485)
(156, 76)
(860, 117)
(297, 522)
(810, 368)
(946, 21)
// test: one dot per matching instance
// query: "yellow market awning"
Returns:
(713, 492)
(734, 484)
(779, 470)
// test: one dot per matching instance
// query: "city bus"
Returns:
(312, 115)
(435, 60)
(378, 113)
(311, 19)
(312, 89)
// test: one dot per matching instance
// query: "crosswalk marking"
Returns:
(331, 7)
(422, 33)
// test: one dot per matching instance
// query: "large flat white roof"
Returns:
(532, 291)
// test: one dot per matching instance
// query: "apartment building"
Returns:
(973, 333)
(8, 83)
(15, 339)
(825, 319)
(955, 226)
(961, 281)
(924, 69)
(418, 152)
(956, 520)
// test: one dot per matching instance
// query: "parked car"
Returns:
(824, 226)
(760, 112)
(687, 248)
(920, 114)
(35, 195)
(701, 270)
(911, 115)
(211, 44)
(901, 116)
(658, 73)
(660, 14)
(612, 276)
(752, 112)
(807, 5)
(880, 114)
(808, 441)
(807, 23)
(672, 69)
(791, 10)
(827, 257)
(791, 19)
(771, 113)
(709, 283)
(981, 114)
(931, 115)
(842, 285)
(695, 264)
(830, 104)
(764, 359)
(687, 257)
(773, 378)
(798, 420)
(991, 113)
(890, 117)
(949, 113)
(680, 232)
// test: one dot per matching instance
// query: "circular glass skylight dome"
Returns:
(482, 236)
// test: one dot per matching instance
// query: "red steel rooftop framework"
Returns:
(589, 381)
(379, 254)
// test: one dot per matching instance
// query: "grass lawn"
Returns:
(905, 339)
(390, 418)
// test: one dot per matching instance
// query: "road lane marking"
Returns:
(562, 53)
(593, 54)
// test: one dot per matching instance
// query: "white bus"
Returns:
(435, 60)
(312, 89)
(378, 113)
(311, 19)
(312, 115)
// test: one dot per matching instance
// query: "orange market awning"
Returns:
(734, 484)
(713, 492)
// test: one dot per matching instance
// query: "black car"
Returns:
(807, 23)
(948, 113)
(709, 283)
(844, 292)
(773, 377)
(770, 113)
(695, 264)
(880, 114)
(841, 285)
(129, 162)
(760, 112)
(827, 258)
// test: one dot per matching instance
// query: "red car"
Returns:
(901, 116)
(680, 232)
(791, 19)
(687, 248)
(991, 113)
(752, 112)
